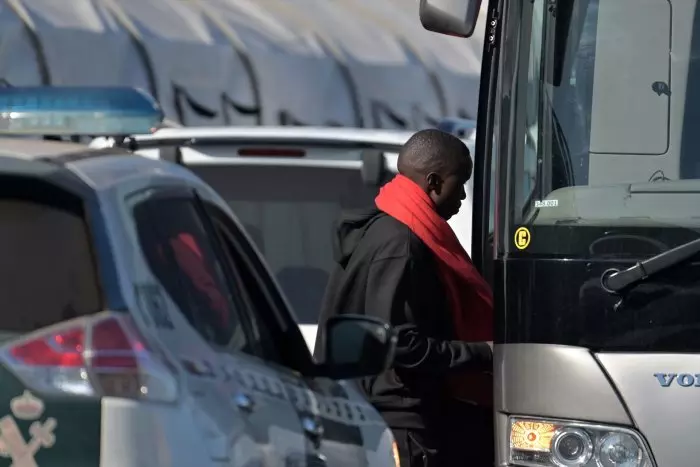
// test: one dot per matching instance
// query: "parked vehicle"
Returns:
(141, 326)
(288, 185)
(461, 127)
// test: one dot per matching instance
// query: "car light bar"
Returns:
(77, 111)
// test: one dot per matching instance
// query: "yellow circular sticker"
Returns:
(522, 238)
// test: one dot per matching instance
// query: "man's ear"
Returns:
(434, 182)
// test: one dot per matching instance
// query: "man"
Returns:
(400, 261)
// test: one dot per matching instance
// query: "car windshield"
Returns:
(608, 135)
(290, 213)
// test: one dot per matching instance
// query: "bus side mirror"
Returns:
(451, 17)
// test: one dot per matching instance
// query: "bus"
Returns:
(589, 116)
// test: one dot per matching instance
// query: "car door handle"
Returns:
(312, 427)
(244, 402)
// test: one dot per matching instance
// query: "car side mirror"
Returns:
(451, 17)
(357, 346)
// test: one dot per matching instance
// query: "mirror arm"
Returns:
(320, 370)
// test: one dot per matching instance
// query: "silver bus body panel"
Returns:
(550, 381)
(571, 383)
(665, 415)
(554, 381)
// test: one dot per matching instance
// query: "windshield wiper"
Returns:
(614, 281)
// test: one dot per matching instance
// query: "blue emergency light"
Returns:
(77, 111)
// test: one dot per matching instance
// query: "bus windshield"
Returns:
(609, 107)
(602, 170)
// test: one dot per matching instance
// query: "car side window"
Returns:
(268, 313)
(180, 253)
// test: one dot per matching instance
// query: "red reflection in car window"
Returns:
(190, 258)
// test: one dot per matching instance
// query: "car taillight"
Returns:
(100, 355)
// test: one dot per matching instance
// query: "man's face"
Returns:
(447, 190)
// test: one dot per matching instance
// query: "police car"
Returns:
(288, 185)
(140, 324)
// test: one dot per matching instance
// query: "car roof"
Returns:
(32, 149)
(83, 168)
(210, 145)
(283, 134)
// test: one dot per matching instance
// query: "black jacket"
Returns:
(384, 270)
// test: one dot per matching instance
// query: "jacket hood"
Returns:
(349, 231)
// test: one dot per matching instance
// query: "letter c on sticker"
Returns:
(522, 238)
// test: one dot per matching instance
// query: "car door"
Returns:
(269, 397)
(195, 316)
(330, 421)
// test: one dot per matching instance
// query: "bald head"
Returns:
(440, 164)
(433, 151)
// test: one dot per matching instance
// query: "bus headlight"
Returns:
(558, 443)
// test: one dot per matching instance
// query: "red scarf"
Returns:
(469, 295)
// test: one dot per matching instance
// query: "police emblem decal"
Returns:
(12, 441)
